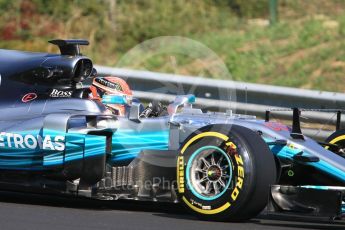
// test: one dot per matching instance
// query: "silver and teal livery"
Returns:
(205, 160)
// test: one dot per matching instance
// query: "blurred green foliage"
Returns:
(249, 8)
(131, 21)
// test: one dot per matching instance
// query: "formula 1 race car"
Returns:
(221, 166)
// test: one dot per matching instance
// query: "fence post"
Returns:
(273, 7)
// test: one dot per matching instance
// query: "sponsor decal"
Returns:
(232, 150)
(231, 145)
(292, 146)
(208, 207)
(180, 174)
(195, 203)
(29, 97)
(240, 177)
(208, 210)
(18, 141)
(109, 84)
(276, 126)
(60, 93)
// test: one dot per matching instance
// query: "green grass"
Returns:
(299, 51)
(302, 53)
(288, 54)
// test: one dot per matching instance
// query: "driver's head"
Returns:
(113, 92)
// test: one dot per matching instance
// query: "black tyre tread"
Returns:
(263, 163)
(335, 134)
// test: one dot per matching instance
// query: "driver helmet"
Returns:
(113, 92)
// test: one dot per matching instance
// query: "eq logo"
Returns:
(29, 97)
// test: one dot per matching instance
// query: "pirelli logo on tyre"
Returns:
(240, 177)
(228, 154)
(222, 169)
(232, 151)
(180, 174)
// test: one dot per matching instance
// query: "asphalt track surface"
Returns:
(19, 211)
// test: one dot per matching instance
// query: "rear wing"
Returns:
(296, 132)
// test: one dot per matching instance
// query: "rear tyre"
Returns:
(337, 138)
(224, 173)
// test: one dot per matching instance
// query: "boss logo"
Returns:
(60, 93)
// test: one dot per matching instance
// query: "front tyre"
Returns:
(224, 173)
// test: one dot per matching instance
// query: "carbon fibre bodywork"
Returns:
(53, 139)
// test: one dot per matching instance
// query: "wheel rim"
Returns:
(209, 172)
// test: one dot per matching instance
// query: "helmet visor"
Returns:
(114, 99)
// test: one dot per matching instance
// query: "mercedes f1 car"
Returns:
(221, 166)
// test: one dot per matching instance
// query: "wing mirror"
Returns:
(185, 100)
(134, 112)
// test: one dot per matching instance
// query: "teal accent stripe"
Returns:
(39, 159)
(95, 146)
(127, 144)
(287, 152)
